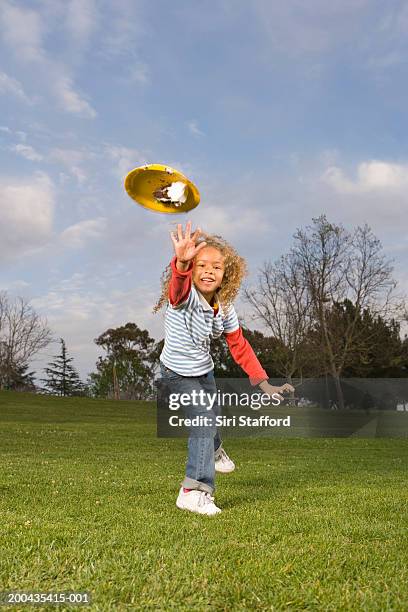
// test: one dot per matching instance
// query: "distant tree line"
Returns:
(328, 308)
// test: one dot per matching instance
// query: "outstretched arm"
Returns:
(243, 354)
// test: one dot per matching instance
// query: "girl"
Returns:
(199, 286)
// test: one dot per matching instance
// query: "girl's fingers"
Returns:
(199, 247)
(179, 231)
(188, 230)
(196, 234)
(287, 387)
(173, 238)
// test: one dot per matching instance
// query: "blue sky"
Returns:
(278, 111)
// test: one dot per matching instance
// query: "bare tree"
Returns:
(297, 297)
(283, 304)
(23, 333)
(336, 266)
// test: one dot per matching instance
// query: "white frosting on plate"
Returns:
(176, 193)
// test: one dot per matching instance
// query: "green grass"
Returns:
(88, 503)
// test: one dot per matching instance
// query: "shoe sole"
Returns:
(194, 512)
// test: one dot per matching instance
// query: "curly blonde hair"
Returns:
(235, 269)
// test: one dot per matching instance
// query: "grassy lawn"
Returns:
(88, 503)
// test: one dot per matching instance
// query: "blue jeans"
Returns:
(204, 444)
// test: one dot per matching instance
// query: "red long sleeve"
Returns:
(180, 284)
(243, 354)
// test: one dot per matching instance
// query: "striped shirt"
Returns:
(190, 327)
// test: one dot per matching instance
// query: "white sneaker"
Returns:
(224, 464)
(197, 501)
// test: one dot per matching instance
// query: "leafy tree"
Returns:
(404, 354)
(267, 349)
(18, 378)
(377, 349)
(62, 378)
(126, 370)
(154, 355)
(22, 380)
(224, 365)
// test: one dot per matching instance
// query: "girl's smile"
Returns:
(208, 271)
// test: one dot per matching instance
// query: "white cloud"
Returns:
(126, 28)
(70, 100)
(139, 73)
(80, 175)
(372, 176)
(81, 19)
(390, 40)
(81, 233)
(16, 286)
(69, 157)
(225, 222)
(26, 212)
(10, 85)
(27, 151)
(385, 60)
(5, 129)
(79, 315)
(22, 31)
(72, 160)
(370, 191)
(308, 28)
(193, 128)
(125, 159)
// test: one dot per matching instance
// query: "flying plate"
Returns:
(162, 189)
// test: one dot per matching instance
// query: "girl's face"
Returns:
(208, 271)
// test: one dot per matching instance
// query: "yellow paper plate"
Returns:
(142, 183)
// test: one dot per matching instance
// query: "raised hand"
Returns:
(185, 246)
